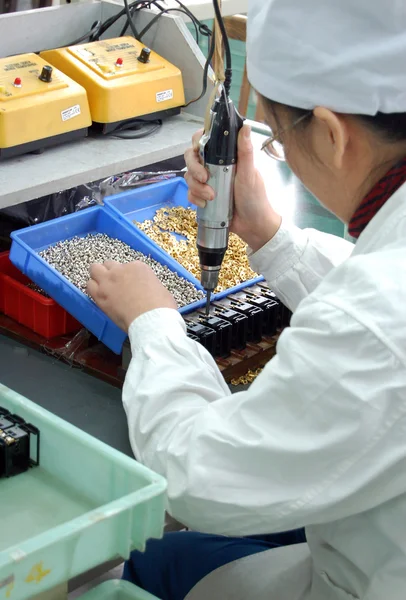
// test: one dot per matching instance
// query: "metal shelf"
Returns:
(32, 176)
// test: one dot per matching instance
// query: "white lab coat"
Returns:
(319, 439)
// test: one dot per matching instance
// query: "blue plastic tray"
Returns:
(31, 240)
(141, 204)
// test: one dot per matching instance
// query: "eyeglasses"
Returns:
(273, 147)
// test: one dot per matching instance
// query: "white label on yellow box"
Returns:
(71, 112)
(163, 96)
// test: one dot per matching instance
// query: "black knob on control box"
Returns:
(46, 74)
(144, 56)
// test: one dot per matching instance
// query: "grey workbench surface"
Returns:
(88, 403)
(94, 158)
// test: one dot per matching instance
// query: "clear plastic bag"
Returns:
(120, 183)
(73, 347)
(81, 197)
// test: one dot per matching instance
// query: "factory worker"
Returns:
(298, 485)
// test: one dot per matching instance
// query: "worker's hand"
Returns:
(124, 292)
(254, 220)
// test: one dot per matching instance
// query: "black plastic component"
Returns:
(46, 74)
(5, 423)
(223, 331)
(17, 419)
(262, 289)
(15, 451)
(254, 314)
(284, 313)
(265, 291)
(238, 322)
(221, 148)
(145, 55)
(285, 316)
(205, 335)
(193, 337)
(270, 308)
(15, 444)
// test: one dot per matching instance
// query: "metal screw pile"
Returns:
(73, 258)
(235, 268)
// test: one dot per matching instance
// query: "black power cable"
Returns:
(198, 25)
(139, 4)
(99, 28)
(158, 16)
(136, 5)
(130, 20)
(89, 35)
(205, 72)
(133, 10)
(127, 23)
(136, 129)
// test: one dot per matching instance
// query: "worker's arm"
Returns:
(296, 260)
(309, 442)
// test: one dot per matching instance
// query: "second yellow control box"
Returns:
(124, 80)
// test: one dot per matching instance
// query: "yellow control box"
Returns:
(124, 80)
(39, 106)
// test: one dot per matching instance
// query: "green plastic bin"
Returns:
(117, 590)
(84, 505)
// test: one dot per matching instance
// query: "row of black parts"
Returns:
(245, 316)
(15, 444)
(212, 332)
(284, 314)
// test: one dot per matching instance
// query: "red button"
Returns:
(119, 62)
(17, 81)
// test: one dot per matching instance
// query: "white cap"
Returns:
(346, 55)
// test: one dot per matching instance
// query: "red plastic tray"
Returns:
(31, 309)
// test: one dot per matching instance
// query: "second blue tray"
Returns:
(141, 204)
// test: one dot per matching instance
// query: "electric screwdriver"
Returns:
(218, 153)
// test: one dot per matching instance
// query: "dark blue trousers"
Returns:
(169, 568)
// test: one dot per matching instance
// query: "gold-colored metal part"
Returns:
(247, 378)
(235, 268)
(8, 439)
